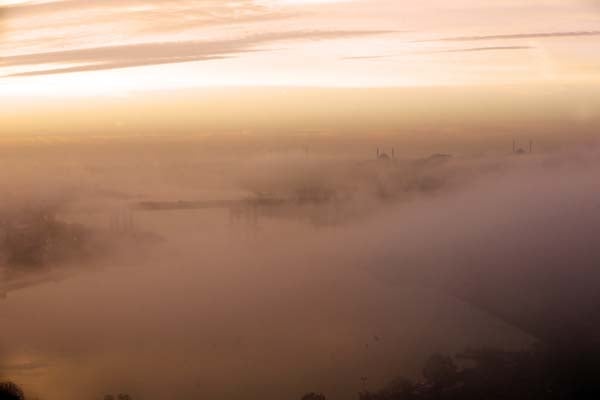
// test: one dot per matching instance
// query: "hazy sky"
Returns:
(66, 47)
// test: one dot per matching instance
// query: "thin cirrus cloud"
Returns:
(146, 54)
(74, 24)
(140, 8)
(156, 16)
(480, 49)
(158, 32)
(49, 37)
(59, 6)
(538, 35)
(466, 50)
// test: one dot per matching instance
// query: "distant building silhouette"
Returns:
(520, 150)
(383, 156)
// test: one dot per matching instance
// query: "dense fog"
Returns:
(164, 272)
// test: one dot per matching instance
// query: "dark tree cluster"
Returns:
(558, 372)
(120, 396)
(10, 391)
(314, 396)
(37, 238)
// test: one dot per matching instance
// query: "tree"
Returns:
(314, 396)
(398, 389)
(440, 371)
(10, 391)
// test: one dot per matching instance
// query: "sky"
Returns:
(62, 48)
(107, 104)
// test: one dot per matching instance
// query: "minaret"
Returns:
(378, 152)
(393, 153)
(531, 146)
(514, 146)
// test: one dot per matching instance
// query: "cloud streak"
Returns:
(145, 54)
(466, 50)
(480, 49)
(142, 17)
(539, 35)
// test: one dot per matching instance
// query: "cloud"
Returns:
(467, 50)
(50, 7)
(538, 35)
(156, 17)
(141, 54)
(72, 24)
(478, 49)
(112, 65)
